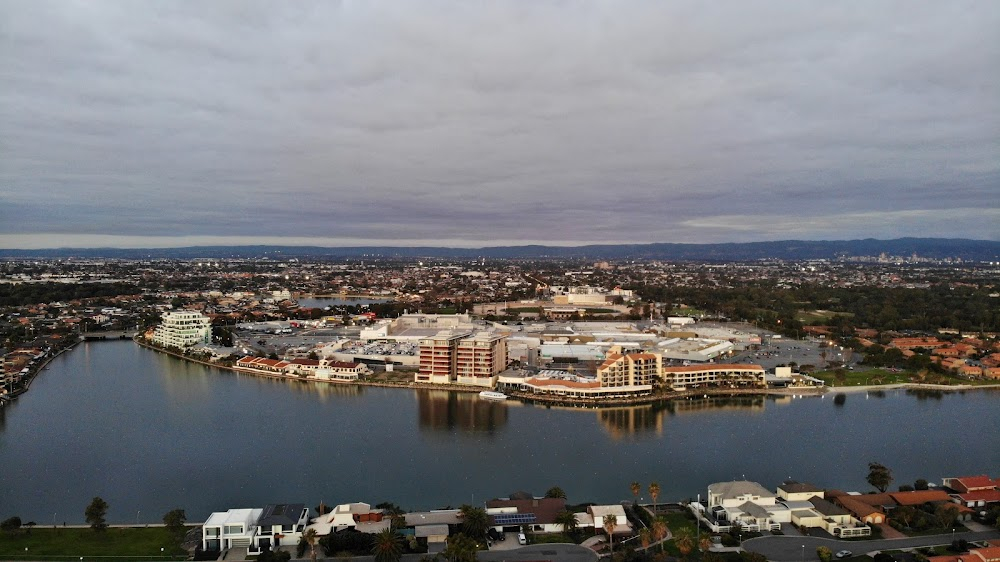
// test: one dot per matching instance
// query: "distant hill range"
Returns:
(938, 248)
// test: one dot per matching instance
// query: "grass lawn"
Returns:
(70, 544)
(545, 538)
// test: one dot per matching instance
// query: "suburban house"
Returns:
(228, 529)
(974, 491)
(870, 514)
(280, 525)
(809, 508)
(523, 509)
(433, 526)
(358, 515)
(594, 517)
(749, 504)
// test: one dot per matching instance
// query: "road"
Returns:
(799, 549)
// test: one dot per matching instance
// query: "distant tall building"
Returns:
(183, 329)
(451, 356)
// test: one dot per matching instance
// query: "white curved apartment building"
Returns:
(183, 329)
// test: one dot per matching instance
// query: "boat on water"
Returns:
(492, 395)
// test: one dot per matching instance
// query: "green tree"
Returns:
(461, 549)
(879, 476)
(174, 522)
(567, 519)
(636, 488)
(10, 524)
(95, 514)
(654, 492)
(946, 515)
(387, 546)
(824, 553)
(555, 492)
(474, 521)
(904, 514)
(610, 522)
(920, 484)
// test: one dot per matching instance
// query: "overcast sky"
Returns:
(467, 123)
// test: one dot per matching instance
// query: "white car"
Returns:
(521, 539)
(844, 554)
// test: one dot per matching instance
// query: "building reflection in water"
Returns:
(649, 418)
(443, 410)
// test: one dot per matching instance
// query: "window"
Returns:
(234, 529)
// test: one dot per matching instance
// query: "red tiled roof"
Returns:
(980, 482)
(918, 497)
(981, 496)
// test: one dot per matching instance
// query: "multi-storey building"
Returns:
(183, 329)
(438, 357)
(630, 369)
(478, 359)
(452, 356)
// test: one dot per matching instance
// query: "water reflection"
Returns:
(443, 410)
(621, 422)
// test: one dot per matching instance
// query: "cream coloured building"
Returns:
(183, 329)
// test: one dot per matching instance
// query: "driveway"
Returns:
(800, 549)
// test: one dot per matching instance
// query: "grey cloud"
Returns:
(635, 121)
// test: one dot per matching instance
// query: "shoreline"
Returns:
(545, 399)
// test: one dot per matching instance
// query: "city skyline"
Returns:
(448, 124)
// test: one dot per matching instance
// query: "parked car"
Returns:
(844, 554)
(521, 539)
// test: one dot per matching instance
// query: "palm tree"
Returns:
(475, 521)
(645, 537)
(387, 546)
(567, 519)
(660, 530)
(684, 541)
(311, 537)
(705, 543)
(610, 522)
(636, 488)
(654, 492)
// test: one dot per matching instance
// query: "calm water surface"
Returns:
(149, 433)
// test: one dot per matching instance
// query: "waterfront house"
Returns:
(358, 515)
(871, 514)
(229, 529)
(595, 518)
(280, 525)
(747, 503)
(523, 509)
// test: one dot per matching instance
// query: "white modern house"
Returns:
(280, 525)
(183, 329)
(749, 504)
(227, 529)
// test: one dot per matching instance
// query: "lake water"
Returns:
(148, 433)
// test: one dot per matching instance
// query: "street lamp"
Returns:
(803, 553)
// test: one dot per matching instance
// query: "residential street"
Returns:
(798, 549)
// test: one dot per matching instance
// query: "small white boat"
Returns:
(492, 395)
